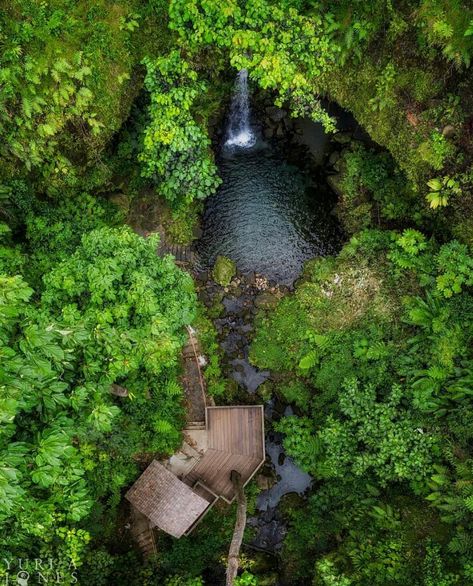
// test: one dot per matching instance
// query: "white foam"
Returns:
(239, 133)
(243, 139)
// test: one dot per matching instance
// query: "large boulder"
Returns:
(275, 114)
(224, 270)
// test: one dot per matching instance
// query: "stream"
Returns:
(269, 217)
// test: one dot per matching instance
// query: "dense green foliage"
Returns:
(111, 313)
(382, 337)
(176, 149)
(67, 84)
(282, 49)
(105, 103)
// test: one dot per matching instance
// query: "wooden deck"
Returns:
(235, 442)
(238, 430)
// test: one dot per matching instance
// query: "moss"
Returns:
(265, 391)
(216, 309)
(207, 334)
(408, 128)
(463, 230)
(224, 270)
(182, 225)
(354, 218)
(435, 151)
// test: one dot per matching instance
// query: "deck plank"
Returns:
(238, 430)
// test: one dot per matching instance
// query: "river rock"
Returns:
(224, 270)
(215, 310)
(338, 165)
(288, 124)
(236, 281)
(334, 157)
(251, 278)
(202, 276)
(334, 182)
(449, 131)
(342, 137)
(265, 482)
(247, 315)
(266, 300)
(290, 502)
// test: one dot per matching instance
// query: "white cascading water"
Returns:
(239, 132)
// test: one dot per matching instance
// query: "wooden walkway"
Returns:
(196, 401)
(193, 382)
(232, 439)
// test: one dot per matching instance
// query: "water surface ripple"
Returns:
(266, 216)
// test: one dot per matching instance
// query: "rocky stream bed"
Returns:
(234, 308)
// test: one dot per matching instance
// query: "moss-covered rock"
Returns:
(265, 391)
(266, 300)
(224, 270)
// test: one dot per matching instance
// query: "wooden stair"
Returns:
(143, 534)
(183, 255)
(195, 425)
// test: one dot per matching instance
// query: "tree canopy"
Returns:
(109, 118)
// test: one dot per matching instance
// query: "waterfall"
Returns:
(239, 132)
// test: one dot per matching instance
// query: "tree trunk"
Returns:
(240, 523)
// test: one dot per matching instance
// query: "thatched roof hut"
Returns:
(168, 503)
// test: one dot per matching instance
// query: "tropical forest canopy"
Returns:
(104, 104)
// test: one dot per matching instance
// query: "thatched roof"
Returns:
(168, 503)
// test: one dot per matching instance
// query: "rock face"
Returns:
(334, 182)
(275, 114)
(224, 270)
(265, 482)
(342, 137)
(118, 391)
(334, 158)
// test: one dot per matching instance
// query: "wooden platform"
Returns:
(167, 502)
(235, 442)
(236, 429)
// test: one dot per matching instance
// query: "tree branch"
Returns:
(240, 524)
